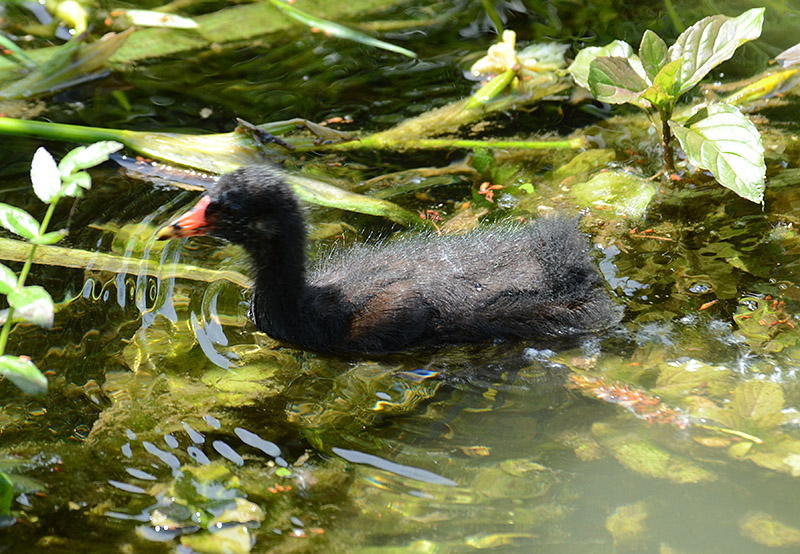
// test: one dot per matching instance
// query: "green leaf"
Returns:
(76, 183)
(728, 145)
(613, 80)
(663, 93)
(579, 69)
(763, 528)
(6, 494)
(711, 41)
(18, 221)
(8, 280)
(45, 176)
(623, 192)
(49, 238)
(85, 157)
(34, 305)
(759, 403)
(647, 458)
(491, 89)
(21, 371)
(676, 380)
(653, 53)
(334, 29)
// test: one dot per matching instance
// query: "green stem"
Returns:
(23, 275)
(59, 131)
(666, 136)
(665, 114)
(374, 142)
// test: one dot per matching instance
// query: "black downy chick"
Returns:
(533, 281)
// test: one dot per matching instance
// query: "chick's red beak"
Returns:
(193, 222)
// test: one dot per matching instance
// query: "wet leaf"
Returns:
(72, 63)
(781, 453)
(579, 69)
(650, 459)
(764, 529)
(228, 540)
(711, 41)
(8, 280)
(759, 403)
(627, 523)
(729, 145)
(653, 53)
(625, 193)
(583, 164)
(21, 371)
(50, 238)
(242, 511)
(34, 305)
(75, 184)
(613, 80)
(85, 157)
(678, 379)
(45, 176)
(18, 221)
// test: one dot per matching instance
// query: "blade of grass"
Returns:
(336, 30)
(17, 53)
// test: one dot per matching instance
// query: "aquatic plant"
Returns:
(33, 304)
(715, 136)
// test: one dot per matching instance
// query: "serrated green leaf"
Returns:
(45, 176)
(34, 305)
(8, 280)
(21, 371)
(653, 53)
(49, 238)
(85, 157)
(579, 69)
(613, 80)
(711, 41)
(18, 221)
(728, 145)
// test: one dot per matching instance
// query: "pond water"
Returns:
(172, 424)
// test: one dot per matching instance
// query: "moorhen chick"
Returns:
(533, 281)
